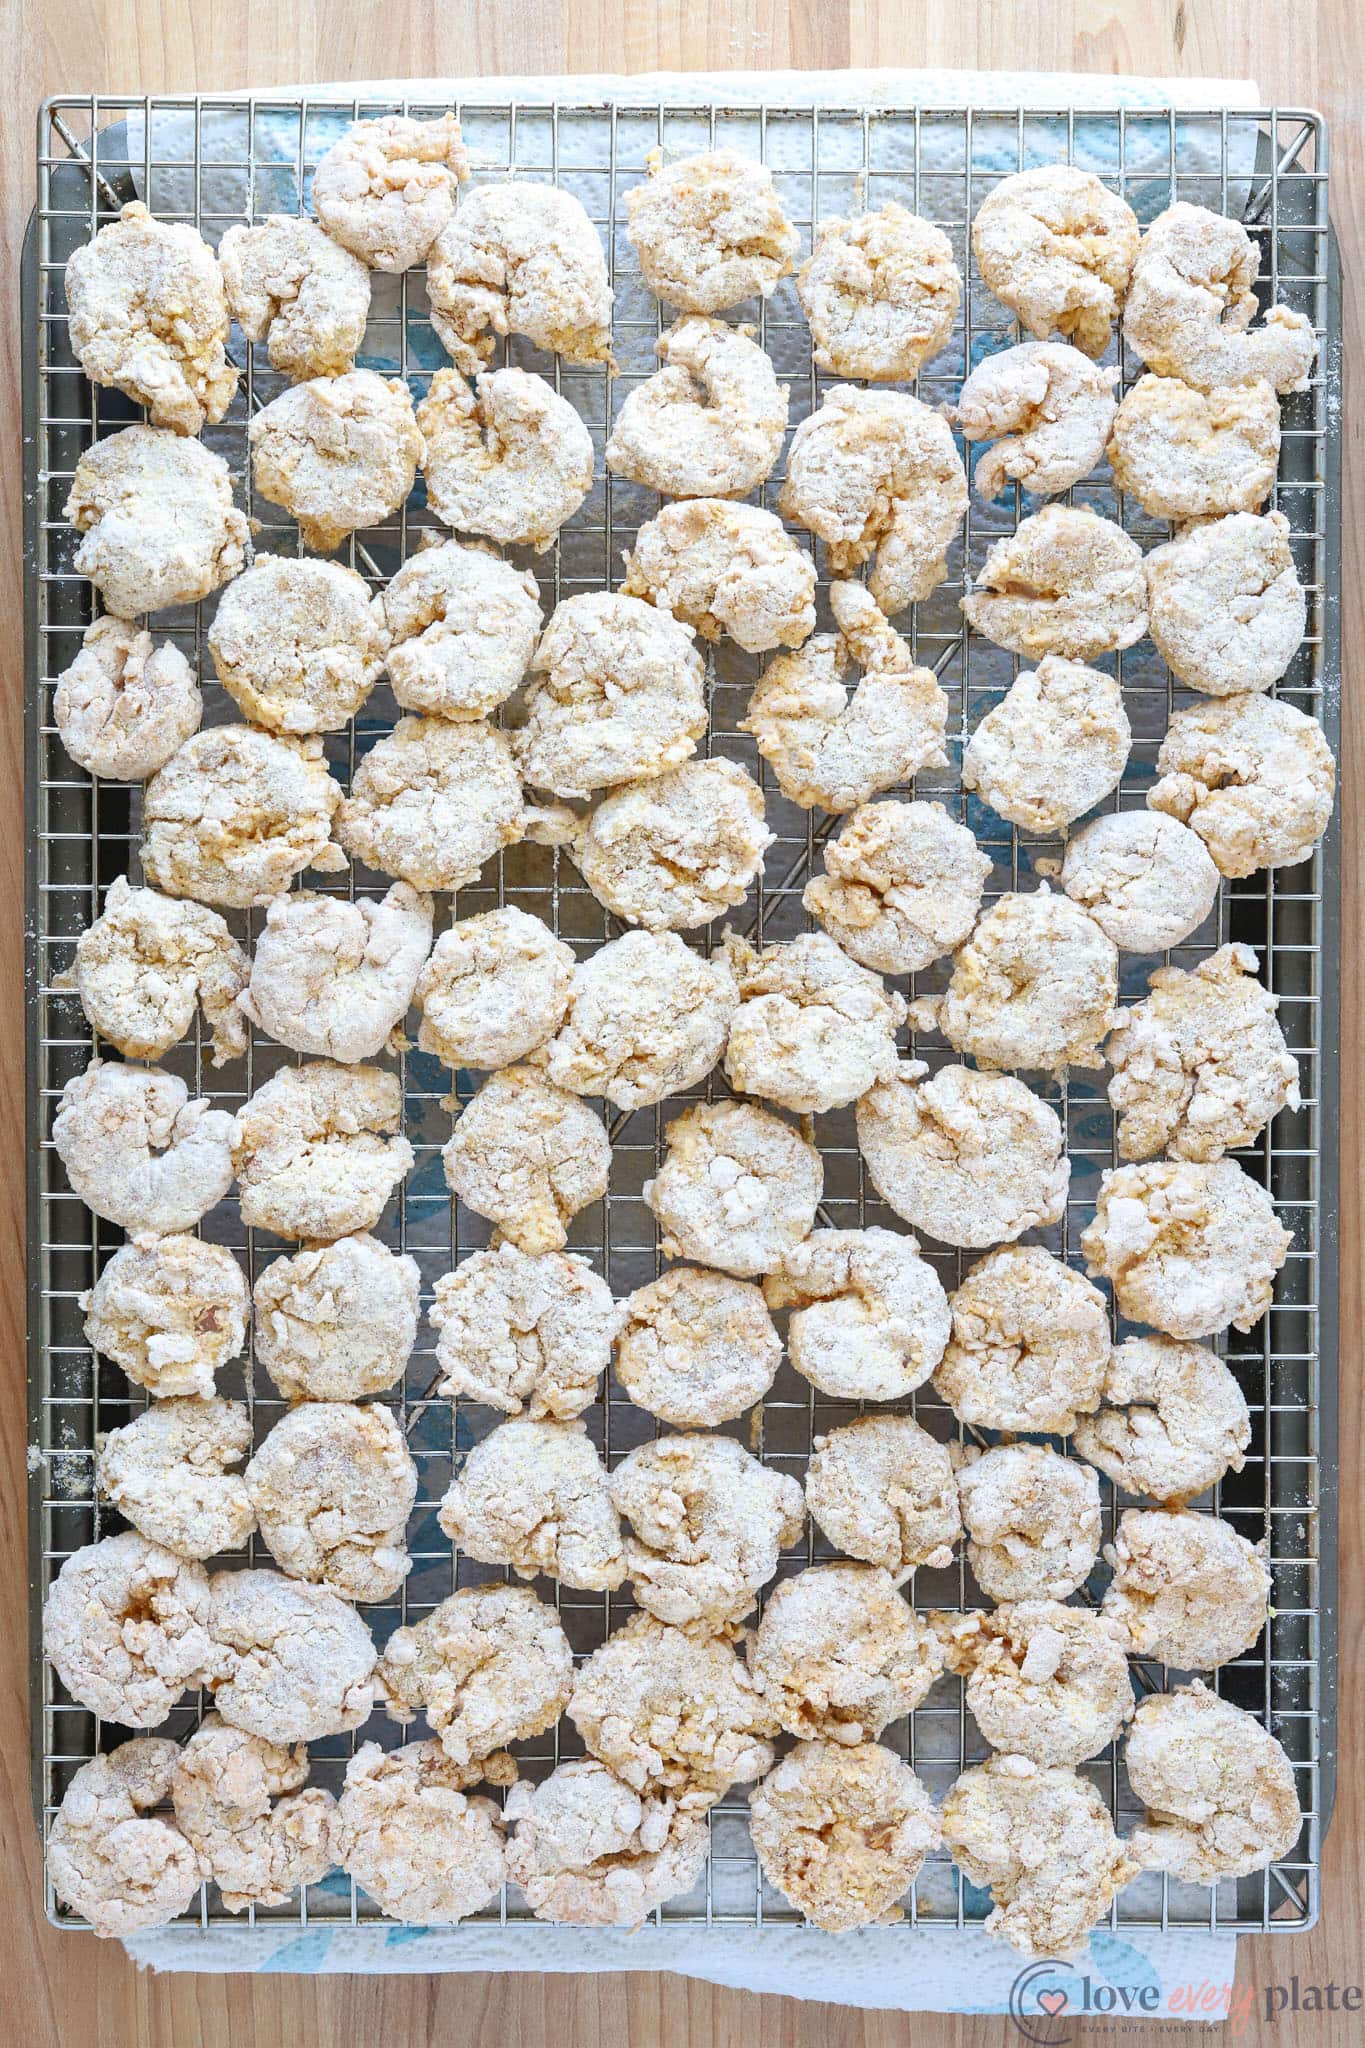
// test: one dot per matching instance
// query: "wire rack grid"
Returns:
(214, 162)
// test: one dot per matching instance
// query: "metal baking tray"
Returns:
(214, 161)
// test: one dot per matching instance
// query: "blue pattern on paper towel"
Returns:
(303, 1955)
(976, 1902)
(1121, 1963)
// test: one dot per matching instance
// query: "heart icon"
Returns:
(1052, 2002)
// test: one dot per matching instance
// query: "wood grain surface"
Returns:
(74, 1990)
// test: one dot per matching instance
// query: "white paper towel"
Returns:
(887, 87)
(1183, 1974)
(1179, 1974)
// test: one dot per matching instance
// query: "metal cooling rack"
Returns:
(217, 161)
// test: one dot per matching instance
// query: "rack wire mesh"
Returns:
(214, 162)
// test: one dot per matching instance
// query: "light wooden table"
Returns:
(73, 1990)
